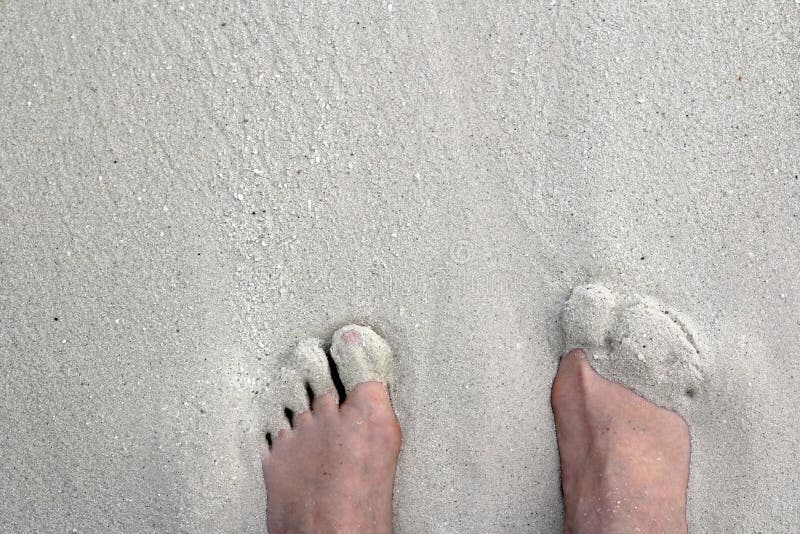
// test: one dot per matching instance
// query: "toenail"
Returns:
(352, 337)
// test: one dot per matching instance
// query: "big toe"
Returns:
(361, 355)
(363, 360)
(571, 379)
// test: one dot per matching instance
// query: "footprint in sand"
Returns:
(357, 354)
(637, 342)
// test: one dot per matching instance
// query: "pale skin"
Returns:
(624, 461)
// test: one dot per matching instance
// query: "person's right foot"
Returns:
(624, 460)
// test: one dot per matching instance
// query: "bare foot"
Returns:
(333, 470)
(624, 460)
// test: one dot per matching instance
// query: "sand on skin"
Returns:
(193, 189)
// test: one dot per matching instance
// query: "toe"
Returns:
(361, 355)
(311, 363)
(292, 391)
(586, 315)
(369, 410)
(570, 378)
(287, 397)
(370, 397)
(573, 358)
(326, 404)
(275, 422)
(275, 437)
(302, 419)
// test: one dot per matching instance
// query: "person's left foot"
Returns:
(333, 469)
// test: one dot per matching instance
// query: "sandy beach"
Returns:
(190, 189)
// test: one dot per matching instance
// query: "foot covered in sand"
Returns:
(624, 460)
(332, 456)
(637, 342)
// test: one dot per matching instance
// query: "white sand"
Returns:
(192, 189)
(364, 357)
(638, 342)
